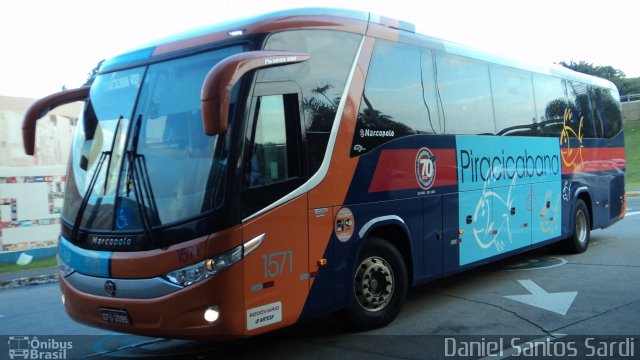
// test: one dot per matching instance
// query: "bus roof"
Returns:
(355, 21)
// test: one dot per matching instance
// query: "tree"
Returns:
(625, 85)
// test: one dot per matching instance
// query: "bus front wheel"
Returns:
(379, 287)
(579, 239)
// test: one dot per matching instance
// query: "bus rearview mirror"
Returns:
(41, 107)
(219, 82)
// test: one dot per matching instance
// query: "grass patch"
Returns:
(632, 152)
(35, 264)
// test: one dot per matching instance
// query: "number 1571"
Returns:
(275, 263)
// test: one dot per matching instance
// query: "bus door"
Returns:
(276, 273)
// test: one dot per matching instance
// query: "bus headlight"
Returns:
(204, 269)
(65, 270)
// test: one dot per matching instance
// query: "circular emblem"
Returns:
(110, 288)
(344, 224)
(362, 133)
(425, 168)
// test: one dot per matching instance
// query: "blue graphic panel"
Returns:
(475, 222)
(87, 262)
(499, 178)
(494, 221)
(512, 217)
(547, 211)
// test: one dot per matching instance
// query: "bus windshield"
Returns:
(140, 157)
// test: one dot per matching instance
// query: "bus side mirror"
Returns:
(217, 86)
(41, 107)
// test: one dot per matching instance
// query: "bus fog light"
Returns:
(212, 314)
(63, 300)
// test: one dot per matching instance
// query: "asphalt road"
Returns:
(588, 302)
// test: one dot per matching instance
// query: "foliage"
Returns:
(631, 144)
(626, 86)
(35, 264)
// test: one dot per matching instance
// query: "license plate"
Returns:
(115, 316)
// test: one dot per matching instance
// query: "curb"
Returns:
(27, 281)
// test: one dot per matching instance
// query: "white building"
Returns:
(31, 187)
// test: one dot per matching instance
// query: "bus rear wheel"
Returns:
(578, 242)
(379, 287)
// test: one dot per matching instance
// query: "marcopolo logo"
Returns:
(25, 347)
(376, 133)
(111, 241)
(425, 168)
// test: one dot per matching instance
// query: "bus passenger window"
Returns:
(581, 108)
(514, 108)
(465, 95)
(551, 104)
(608, 109)
(399, 97)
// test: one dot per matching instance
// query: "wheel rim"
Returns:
(581, 226)
(374, 284)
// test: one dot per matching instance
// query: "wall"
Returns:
(31, 187)
(631, 111)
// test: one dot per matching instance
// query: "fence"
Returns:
(629, 98)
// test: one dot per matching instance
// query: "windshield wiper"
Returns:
(113, 144)
(93, 181)
(138, 177)
(85, 200)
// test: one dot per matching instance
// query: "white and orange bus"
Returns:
(244, 177)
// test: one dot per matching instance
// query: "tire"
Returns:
(379, 287)
(578, 242)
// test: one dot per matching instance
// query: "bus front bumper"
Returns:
(179, 314)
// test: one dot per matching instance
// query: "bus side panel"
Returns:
(276, 274)
(387, 177)
(476, 226)
(434, 245)
(617, 196)
(321, 262)
(595, 168)
(547, 214)
(403, 217)
(450, 233)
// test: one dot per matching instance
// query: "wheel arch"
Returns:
(582, 193)
(394, 230)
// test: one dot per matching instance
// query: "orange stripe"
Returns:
(585, 160)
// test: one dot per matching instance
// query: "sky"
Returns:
(47, 44)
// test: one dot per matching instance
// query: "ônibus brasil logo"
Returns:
(425, 168)
(26, 347)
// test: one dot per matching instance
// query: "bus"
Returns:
(244, 177)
